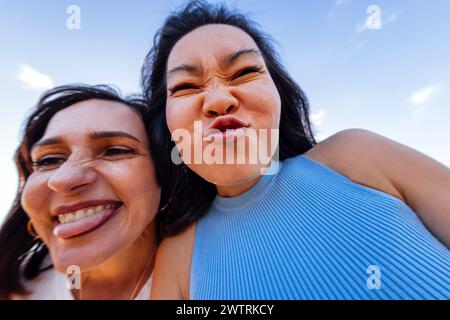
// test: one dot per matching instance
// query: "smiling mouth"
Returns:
(84, 220)
(86, 212)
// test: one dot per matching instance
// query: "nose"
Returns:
(219, 102)
(72, 178)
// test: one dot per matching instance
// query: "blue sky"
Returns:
(394, 80)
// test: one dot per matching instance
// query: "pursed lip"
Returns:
(224, 123)
(81, 205)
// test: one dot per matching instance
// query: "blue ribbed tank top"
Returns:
(309, 232)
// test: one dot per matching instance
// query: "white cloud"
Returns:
(419, 97)
(318, 117)
(424, 94)
(33, 78)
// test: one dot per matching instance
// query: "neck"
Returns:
(124, 274)
(228, 191)
(235, 190)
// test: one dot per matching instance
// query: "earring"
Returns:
(31, 230)
(165, 206)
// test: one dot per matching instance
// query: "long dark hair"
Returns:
(19, 251)
(191, 196)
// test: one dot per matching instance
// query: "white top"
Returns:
(52, 285)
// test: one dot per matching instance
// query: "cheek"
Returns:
(171, 118)
(273, 100)
(125, 174)
(35, 201)
(142, 193)
(35, 195)
(134, 182)
(181, 113)
(263, 101)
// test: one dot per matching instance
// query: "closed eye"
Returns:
(248, 70)
(47, 163)
(118, 151)
(241, 73)
(183, 86)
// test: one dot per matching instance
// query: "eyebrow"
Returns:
(231, 58)
(47, 142)
(226, 61)
(112, 134)
(94, 136)
(185, 67)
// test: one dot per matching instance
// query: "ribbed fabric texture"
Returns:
(309, 232)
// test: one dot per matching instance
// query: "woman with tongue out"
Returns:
(87, 201)
(356, 216)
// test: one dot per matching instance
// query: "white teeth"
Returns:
(82, 213)
(79, 215)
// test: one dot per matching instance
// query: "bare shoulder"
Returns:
(364, 157)
(172, 266)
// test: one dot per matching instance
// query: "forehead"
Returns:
(209, 42)
(95, 115)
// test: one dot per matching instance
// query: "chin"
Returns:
(84, 256)
(63, 261)
(231, 175)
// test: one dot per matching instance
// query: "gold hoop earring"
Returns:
(31, 230)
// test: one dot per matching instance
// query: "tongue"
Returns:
(71, 229)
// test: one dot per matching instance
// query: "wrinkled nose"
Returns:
(219, 102)
(71, 178)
